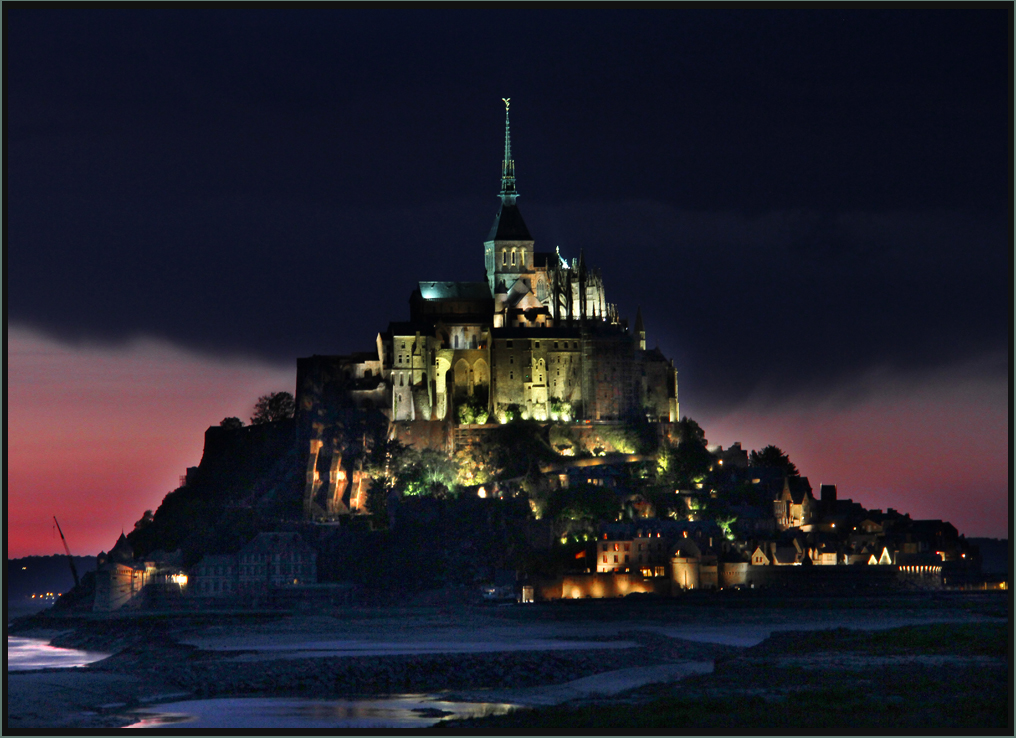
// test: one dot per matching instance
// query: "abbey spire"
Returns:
(508, 192)
(508, 249)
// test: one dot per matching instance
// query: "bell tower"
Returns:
(508, 250)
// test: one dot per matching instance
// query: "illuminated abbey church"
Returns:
(537, 339)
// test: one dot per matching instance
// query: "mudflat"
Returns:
(587, 655)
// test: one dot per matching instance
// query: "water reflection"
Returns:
(239, 713)
(24, 654)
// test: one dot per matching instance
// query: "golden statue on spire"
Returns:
(506, 101)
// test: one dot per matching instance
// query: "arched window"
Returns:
(481, 374)
(461, 374)
(513, 257)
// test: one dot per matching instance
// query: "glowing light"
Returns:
(180, 579)
(481, 493)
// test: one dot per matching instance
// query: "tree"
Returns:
(514, 449)
(145, 520)
(472, 410)
(425, 472)
(273, 407)
(689, 430)
(774, 458)
(231, 423)
(687, 464)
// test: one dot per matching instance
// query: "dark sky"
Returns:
(794, 197)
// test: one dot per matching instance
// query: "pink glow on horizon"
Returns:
(98, 435)
(933, 448)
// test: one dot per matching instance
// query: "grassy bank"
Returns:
(943, 678)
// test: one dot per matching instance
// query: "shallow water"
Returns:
(25, 654)
(274, 713)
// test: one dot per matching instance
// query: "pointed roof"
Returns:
(122, 552)
(508, 192)
(508, 225)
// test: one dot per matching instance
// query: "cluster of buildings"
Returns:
(276, 568)
(786, 538)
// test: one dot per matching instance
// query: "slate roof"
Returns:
(508, 225)
(454, 291)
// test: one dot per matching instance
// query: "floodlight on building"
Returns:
(481, 493)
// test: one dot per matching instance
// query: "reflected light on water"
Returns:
(405, 711)
(24, 654)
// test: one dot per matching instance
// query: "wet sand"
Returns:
(539, 655)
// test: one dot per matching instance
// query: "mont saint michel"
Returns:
(609, 370)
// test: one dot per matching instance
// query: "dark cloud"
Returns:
(792, 196)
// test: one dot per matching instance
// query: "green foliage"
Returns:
(426, 472)
(686, 465)
(511, 413)
(581, 507)
(560, 410)
(562, 439)
(774, 458)
(725, 523)
(472, 410)
(273, 407)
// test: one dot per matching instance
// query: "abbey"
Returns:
(537, 339)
